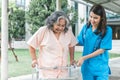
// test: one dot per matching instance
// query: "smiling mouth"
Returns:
(58, 30)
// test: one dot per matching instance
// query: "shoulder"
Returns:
(42, 28)
(69, 29)
(85, 26)
(69, 32)
(109, 29)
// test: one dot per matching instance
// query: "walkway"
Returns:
(24, 77)
(115, 69)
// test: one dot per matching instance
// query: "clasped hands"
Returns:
(77, 63)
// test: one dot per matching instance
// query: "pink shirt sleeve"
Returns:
(73, 40)
(36, 39)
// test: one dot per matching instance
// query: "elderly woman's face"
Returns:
(60, 26)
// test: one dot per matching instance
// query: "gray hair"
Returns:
(55, 17)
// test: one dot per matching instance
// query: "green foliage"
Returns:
(0, 19)
(74, 16)
(39, 10)
(71, 12)
(16, 23)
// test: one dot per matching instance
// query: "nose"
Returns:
(60, 27)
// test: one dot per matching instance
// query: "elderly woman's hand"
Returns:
(73, 62)
(34, 63)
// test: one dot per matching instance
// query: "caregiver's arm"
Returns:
(95, 53)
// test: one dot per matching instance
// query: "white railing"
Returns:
(23, 45)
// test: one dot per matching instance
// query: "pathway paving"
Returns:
(115, 69)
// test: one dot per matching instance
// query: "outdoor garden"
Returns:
(19, 60)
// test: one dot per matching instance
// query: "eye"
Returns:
(63, 25)
(57, 24)
(90, 16)
(95, 17)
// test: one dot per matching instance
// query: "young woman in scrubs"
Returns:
(55, 41)
(96, 38)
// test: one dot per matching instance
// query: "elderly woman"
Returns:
(55, 41)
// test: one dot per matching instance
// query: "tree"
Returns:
(39, 10)
(16, 25)
(0, 19)
(0, 33)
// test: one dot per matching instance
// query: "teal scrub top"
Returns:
(97, 65)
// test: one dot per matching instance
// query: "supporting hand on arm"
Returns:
(95, 53)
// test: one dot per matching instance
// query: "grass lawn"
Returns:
(23, 66)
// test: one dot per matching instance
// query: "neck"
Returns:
(94, 27)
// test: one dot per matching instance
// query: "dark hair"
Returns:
(99, 10)
(55, 17)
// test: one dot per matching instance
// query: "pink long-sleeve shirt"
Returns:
(52, 51)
